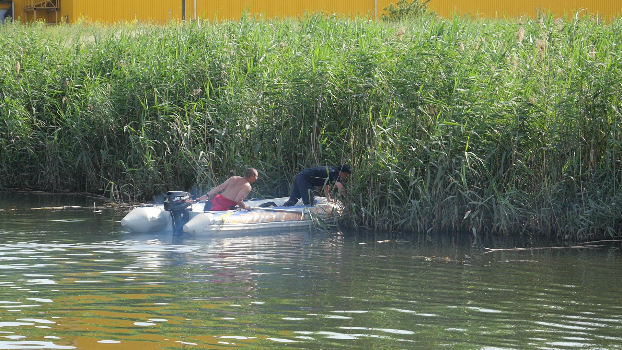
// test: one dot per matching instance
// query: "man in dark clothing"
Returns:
(319, 176)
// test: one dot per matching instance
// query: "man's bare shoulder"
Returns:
(237, 182)
(235, 179)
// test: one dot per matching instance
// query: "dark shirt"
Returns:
(318, 176)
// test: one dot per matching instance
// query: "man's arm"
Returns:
(219, 188)
(341, 189)
(327, 193)
(215, 190)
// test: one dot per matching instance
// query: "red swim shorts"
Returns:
(220, 203)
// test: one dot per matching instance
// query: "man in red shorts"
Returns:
(234, 191)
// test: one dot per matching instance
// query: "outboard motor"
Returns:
(178, 203)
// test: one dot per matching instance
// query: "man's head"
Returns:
(251, 175)
(344, 171)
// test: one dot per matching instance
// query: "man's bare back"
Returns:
(236, 188)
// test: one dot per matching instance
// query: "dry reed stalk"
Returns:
(520, 35)
(541, 44)
(400, 32)
(593, 52)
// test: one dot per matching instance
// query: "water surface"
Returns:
(72, 278)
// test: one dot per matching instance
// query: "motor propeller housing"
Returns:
(178, 204)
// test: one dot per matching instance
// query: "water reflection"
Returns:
(73, 280)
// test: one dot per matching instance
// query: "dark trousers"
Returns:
(302, 189)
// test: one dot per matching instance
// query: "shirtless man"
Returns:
(234, 191)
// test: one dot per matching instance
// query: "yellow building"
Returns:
(162, 11)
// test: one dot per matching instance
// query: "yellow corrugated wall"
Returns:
(518, 8)
(232, 9)
(124, 10)
(107, 11)
(161, 11)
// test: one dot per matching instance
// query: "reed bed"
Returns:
(485, 126)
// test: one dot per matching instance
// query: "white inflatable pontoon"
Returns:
(153, 218)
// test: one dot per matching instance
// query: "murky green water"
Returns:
(73, 279)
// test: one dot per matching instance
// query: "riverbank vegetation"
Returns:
(497, 126)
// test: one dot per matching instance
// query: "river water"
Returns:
(73, 278)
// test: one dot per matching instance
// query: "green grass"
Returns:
(496, 126)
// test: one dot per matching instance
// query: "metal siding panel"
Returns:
(233, 9)
(19, 9)
(66, 9)
(160, 11)
(513, 8)
(157, 11)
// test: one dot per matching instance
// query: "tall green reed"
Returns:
(497, 126)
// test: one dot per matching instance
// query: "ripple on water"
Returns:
(386, 330)
(414, 312)
(281, 340)
(15, 324)
(484, 310)
(564, 326)
(20, 306)
(41, 281)
(33, 345)
(36, 320)
(338, 317)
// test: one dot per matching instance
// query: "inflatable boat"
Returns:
(267, 216)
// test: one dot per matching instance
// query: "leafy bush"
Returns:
(405, 10)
